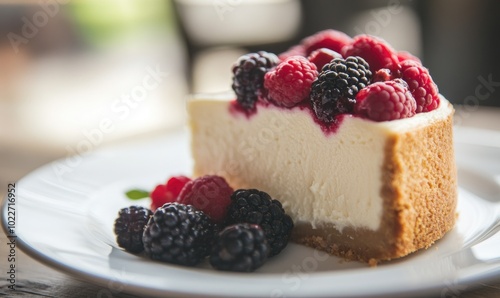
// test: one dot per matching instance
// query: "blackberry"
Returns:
(240, 247)
(248, 76)
(129, 226)
(178, 234)
(335, 89)
(257, 207)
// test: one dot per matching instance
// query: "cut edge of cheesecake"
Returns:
(416, 212)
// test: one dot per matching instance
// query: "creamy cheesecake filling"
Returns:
(320, 179)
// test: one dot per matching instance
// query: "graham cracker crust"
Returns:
(420, 196)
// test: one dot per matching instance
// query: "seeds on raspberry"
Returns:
(335, 89)
(210, 194)
(240, 247)
(168, 193)
(421, 85)
(330, 39)
(290, 82)
(248, 76)
(322, 56)
(384, 101)
(377, 52)
(129, 226)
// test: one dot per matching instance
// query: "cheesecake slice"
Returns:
(365, 190)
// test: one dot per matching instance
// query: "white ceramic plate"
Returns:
(66, 210)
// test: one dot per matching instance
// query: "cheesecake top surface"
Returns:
(419, 120)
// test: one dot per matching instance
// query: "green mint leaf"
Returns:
(137, 194)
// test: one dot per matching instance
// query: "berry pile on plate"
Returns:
(191, 220)
(335, 74)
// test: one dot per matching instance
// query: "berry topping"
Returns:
(296, 50)
(178, 234)
(404, 55)
(129, 226)
(248, 76)
(335, 89)
(330, 39)
(168, 193)
(421, 85)
(322, 56)
(241, 247)
(383, 101)
(290, 82)
(210, 194)
(378, 53)
(257, 207)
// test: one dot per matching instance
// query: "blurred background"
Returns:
(80, 74)
(75, 75)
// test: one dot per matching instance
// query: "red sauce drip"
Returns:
(327, 128)
(236, 109)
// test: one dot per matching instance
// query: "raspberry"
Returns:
(322, 56)
(257, 207)
(210, 194)
(404, 55)
(401, 82)
(297, 50)
(421, 86)
(383, 101)
(248, 76)
(240, 247)
(335, 89)
(129, 226)
(330, 39)
(377, 52)
(178, 234)
(167, 193)
(290, 82)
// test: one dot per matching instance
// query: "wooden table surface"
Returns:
(34, 279)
